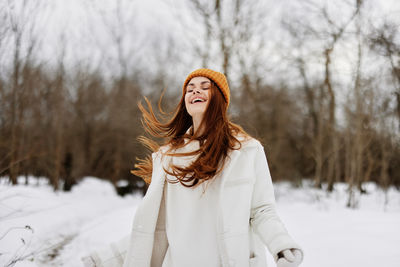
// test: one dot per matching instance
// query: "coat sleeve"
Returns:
(264, 218)
(115, 253)
(148, 242)
(160, 238)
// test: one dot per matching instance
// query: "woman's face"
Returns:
(197, 96)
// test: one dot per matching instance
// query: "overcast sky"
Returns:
(82, 26)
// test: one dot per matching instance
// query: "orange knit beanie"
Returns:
(217, 77)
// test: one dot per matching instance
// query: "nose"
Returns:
(196, 90)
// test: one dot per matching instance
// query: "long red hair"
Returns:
(218, 137)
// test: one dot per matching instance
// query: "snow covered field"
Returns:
(49, 228)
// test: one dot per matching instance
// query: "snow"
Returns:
(50, 228)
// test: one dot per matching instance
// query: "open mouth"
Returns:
(197, 100)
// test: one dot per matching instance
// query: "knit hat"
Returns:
(217, 77)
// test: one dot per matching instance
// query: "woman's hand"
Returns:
(289, 258)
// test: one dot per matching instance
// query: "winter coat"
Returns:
(247, 218)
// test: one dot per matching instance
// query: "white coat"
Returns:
(247, 218)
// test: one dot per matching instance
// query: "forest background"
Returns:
(317, 82)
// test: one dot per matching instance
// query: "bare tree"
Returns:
(321, 101)
(227, 28)
(56, 98)
(23, 44)
(124, 90)
(385, 41)
(4, 29)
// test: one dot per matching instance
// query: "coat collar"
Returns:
(194, 144)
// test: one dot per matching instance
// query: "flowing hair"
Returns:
(219, 136)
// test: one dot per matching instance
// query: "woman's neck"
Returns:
(196, 124)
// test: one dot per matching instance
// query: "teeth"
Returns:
(196, 99)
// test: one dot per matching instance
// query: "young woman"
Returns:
(210, 202)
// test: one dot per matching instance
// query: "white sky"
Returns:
(78, 25)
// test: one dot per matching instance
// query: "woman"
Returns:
(210, 201)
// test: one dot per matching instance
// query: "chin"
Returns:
(196, 112)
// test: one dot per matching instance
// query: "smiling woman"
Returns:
(197, 98)
(210, 201)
